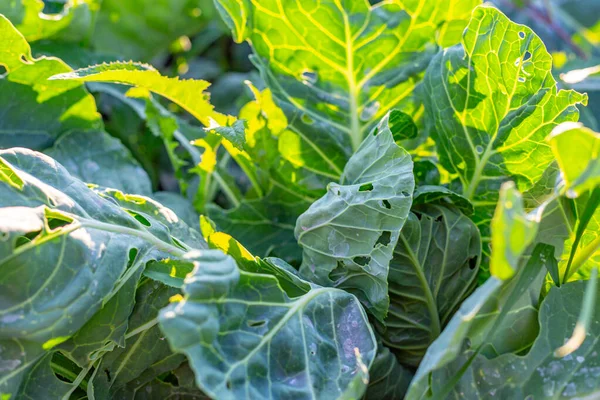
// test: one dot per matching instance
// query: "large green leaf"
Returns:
(540, 374)
(245, 338)
(35, 111)
(348, 235)
(490, 104)
(75, 249)
(434, 269)
(96, 157)
(366, 61)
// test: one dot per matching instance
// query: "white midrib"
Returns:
(299, 305)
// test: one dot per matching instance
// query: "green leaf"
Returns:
(57, 106)
(368, 60)
(348, 236)
(434, 269)
(484, 321)
(265, 225)
(286, 275)
(96, 157)
(76, 249)
(321, 331)
(540, 374)
(430, 194)
(512, 231)
(577, 151)
(490, 104)
(145, 355)
(388, 379)
(187, 93)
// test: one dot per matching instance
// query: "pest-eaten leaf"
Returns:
(322, 331)
(490, 104)
(348, 236)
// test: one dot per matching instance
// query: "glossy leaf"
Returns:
(490, 104)
(434, 269)
(240, 357)
(349, 234)
(77, 249)
(368, 60)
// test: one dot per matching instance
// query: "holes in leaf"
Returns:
(522, 35)
(473, 262)
(27, 238)
(439, 218)
(385, 238)
(256, 324)
(228, 384)
(107, 372)
(139, 218)
(57, 223)
(178, 243)
(362, 260)
(63, 368)
(24, 59)
(386, 204)
(405, 193)
(367, 187)
(521, 79)
(306, 119)
(170, 378)
(339, 193)
(132, 255)
(527, 56)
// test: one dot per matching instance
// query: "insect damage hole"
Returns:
(367, 187)
(386, 204)
(256, 324)
(362, 260)
(522, 35)
(473, 262)
(385, 238)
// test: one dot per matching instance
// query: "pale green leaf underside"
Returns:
(540, 374)
(237, 327)
(491, 103)
(349, 234)
(74, 249)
